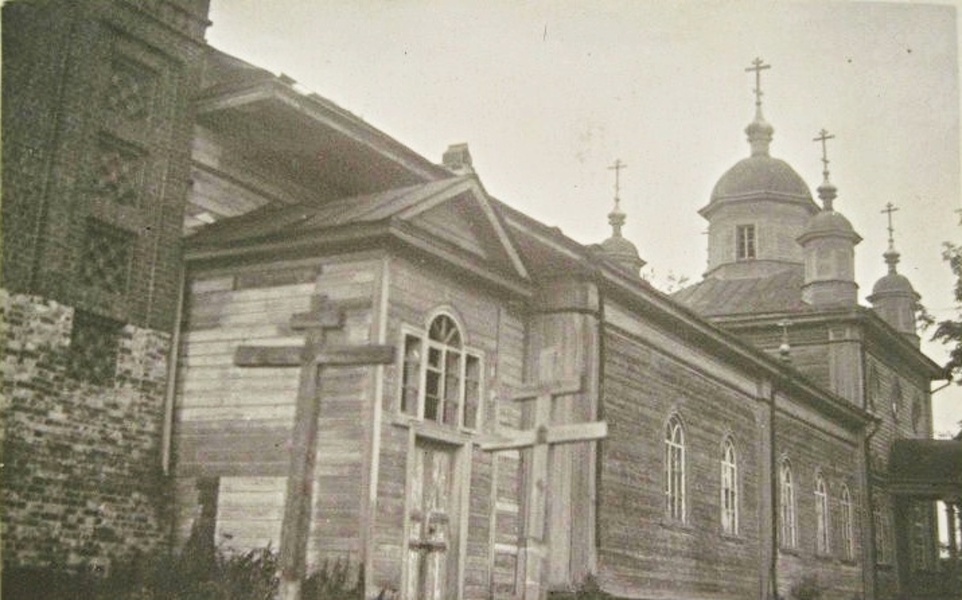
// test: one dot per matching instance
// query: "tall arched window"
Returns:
(786, 506)
(675, 469)
(441, 379)
(846, 524)
(729, 488)
(822, 539)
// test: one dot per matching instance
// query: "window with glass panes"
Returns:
(846, 525)
(786, 507)
(675, 470)
(729, 489)
(441, 378)
(822, 540)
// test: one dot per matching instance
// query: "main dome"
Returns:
(760, 175)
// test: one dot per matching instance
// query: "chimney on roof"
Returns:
(457, 158)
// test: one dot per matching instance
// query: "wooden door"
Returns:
(432, 524)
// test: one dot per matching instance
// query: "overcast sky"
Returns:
(548, 94)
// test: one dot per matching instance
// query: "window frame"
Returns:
(823, 539)
(787, 515)
(416, 391)
(884, 555)
(746, 241)
(674, 470)
(846, 525)
(729, 488)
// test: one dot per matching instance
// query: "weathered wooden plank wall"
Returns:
(235, 422)
(650, 375)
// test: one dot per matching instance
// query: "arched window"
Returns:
(786, 506)
(729, 488)
(675, 470)
(822, 538)
(883, 534)
(441, 379)
(846, 524)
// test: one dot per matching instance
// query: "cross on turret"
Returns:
(617, 167)
(888, 210)
(824, 136)
(758, 65)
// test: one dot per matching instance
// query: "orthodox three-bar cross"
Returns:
(311, 358)
(617, 167)
(824, 136)
(539, 439)
(888, 210)
(758, 65)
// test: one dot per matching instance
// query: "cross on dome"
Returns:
(826, 191)
(617, 167)
(888, 210)
(891, 255)
(617, 217)
(759, 132)
(616, 248)
(824, 136)
(758, 65)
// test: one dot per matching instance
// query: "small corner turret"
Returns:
(828, 244)
(893, 297)
(617, 249)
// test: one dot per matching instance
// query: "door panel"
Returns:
(432, 526)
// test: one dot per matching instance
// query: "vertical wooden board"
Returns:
(479, 521)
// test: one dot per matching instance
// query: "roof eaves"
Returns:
(318, 110)
(663, 307)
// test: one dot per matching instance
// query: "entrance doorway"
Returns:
(433, 523)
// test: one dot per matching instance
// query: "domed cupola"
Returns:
(757, 208)
(893, 297)
(828, 244)
(616, 248)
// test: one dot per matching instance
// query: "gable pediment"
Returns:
(464, 219)
(450, 215)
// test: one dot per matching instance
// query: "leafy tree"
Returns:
(949, 331)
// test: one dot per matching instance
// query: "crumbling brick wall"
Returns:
(82, 479)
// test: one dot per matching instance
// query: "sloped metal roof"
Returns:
(926, 467)
(275, 221)
(778, 293)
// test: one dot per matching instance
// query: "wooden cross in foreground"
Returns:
(310, 357)
(540, 439)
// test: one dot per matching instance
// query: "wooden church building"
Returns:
(237, 310)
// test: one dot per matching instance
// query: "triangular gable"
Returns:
(462, 215)
(455, 210)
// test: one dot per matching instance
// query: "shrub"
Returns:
(199, 572)
(335, 580)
